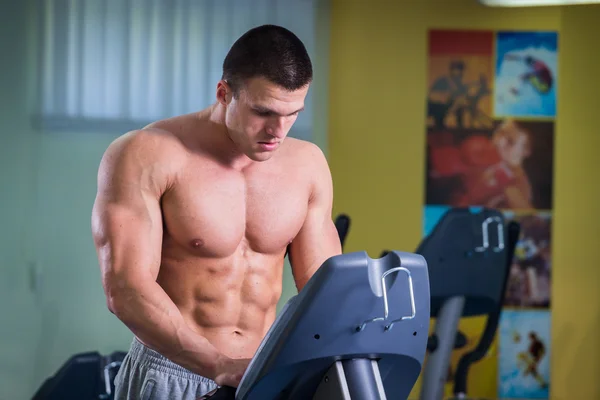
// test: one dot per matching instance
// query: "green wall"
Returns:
(19, 314)
(52, 301)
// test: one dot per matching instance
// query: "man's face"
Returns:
(456, 73)
(512, 144)
(261, 116)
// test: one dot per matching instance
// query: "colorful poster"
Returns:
(526, 74)
(491, 104)
(507, 166)
(460, 75)
(529, 280)
(524, 359)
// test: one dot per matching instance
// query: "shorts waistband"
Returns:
(156, 361)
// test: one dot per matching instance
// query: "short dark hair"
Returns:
(271, 52)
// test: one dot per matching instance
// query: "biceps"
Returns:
(128, 241)
(321, 234)
(316, 242)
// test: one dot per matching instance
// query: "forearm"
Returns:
(307, 263)
(153, 317)
(301, 280)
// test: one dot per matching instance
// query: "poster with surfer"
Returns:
(526, 72)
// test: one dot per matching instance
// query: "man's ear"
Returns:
(224, 92)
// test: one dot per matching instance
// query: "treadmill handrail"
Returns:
(485, 231)
(386, 303)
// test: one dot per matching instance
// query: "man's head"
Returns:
(512, 142)
(457, 69)
(529, 60)
(266, 76)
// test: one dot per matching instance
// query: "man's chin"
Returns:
(260, 156)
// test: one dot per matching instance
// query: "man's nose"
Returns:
(276, 127)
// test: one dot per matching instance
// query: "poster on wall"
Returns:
(491, 108)
(524, 359)
(526, 73)
(528, 284)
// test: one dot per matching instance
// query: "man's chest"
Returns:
(214, 212)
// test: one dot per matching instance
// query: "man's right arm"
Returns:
(127, 228)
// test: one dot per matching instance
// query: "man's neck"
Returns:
(223, 146)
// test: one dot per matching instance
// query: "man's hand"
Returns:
(221, 393)
(230, 371)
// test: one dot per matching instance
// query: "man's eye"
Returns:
(262, 113)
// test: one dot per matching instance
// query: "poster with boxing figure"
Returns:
(491, 103)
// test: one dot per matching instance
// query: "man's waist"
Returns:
(232, 341)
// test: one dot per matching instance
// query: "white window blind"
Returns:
(119, 64)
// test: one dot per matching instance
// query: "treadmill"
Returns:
(469, 255)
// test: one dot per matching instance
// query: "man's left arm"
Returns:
(318, 238)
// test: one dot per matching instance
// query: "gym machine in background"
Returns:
(84, 376)
(469, 255)
(342, 224)
(468, 276)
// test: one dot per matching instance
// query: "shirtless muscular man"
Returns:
(194, 215)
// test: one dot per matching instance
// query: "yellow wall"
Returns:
(576, 254)
(377, 149)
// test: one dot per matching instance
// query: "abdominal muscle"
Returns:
(230, 301)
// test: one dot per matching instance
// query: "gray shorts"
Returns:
(147, 375)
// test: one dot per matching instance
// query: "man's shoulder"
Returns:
(150, 149)
(150, 140)
(304, 149)
(308, 156)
